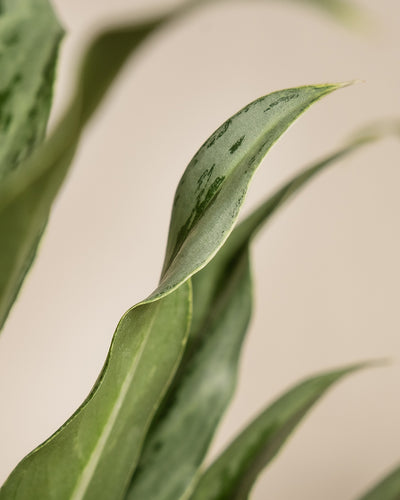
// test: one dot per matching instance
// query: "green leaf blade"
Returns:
(234, 472)
(180, 437)
(212, 189)
(387, 489)
(166, 460)
(94, 454)
(343, 11)
(29, 40)
(27, 193)
(207, 280)
(206, 379)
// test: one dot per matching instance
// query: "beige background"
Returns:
(326, 269)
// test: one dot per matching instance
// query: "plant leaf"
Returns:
(93, 455)
(29, 40)
(178, 441)
(387, 489)
(98, 424)
(206, 377)
(343, 11)
(206, 282)
(27, 194)
(212, 189)
(233, 473)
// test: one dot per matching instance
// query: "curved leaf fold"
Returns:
(107, 431)
(94, 453)
(177, 442)
(169, 464)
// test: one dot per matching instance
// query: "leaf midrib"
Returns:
(89, 470)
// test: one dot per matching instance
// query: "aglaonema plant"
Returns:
(144, 430)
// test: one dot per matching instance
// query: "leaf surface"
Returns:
(233, 473)
(213, 187)
(29, 40)
(344, 11)
(180, 437)
(27, 194)
(206, 378)
(93, 455)
(207, 281)
(387, 489)
(98, 437)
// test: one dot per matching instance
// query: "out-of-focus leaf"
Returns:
(93, 455)
(206, 282)
(344, 11)
(180, 438)
(29, 40)
(213, 187)
(27, 194)
(387, 489)
(233, 473)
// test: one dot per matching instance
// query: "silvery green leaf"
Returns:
(213, 187)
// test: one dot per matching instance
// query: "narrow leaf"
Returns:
(29, 40)
(180, 438)
(387, 489)
(344, 11)
(207, 281)
(94, 454)
(232, 475)
(213, 187)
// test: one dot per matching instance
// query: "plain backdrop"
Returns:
(326, 269)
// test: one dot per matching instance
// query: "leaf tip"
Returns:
(371, 363)
(341, 85)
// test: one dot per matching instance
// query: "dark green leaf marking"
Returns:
(237, 145)
(29, 40)
(213, 187)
